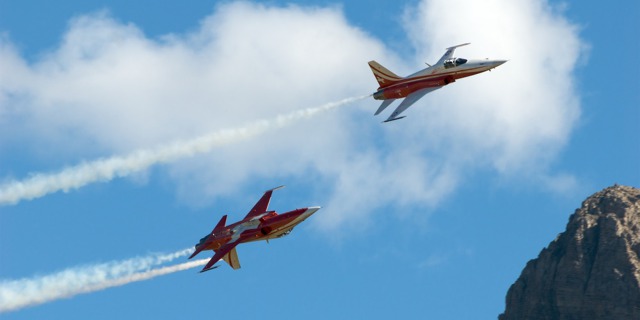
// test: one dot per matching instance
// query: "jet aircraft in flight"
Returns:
(258, 224)
(413, 87)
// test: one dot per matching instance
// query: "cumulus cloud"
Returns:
(518, 116)
(111, 89)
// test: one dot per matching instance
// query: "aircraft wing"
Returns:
(198, 250)
(220, 253)
(408, 101)
(449, 53)
(384, 105)
(262, 205)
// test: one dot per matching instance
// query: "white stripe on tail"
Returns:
(384, 77)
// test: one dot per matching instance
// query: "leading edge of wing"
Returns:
(263, 204)
(408, 101)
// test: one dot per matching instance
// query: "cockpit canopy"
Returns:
(202, 240)
(454, 62)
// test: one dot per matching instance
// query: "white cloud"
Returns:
(518, 116)
(110, 88)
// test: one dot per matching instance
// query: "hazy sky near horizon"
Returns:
(432, 215)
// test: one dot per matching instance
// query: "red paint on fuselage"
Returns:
(269, 226)
(405, 86)
(258, 224)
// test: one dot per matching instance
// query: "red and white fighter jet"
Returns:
(413, 87)
(259, 224)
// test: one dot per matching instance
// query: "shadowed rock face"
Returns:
(590, 271)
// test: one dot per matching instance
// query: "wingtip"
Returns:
(459, 45)
(194, 253)
(207, 269)
(276, 188)
(394, 119)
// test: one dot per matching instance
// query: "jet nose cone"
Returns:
(308, 212)
(311, 210)
(498, 62)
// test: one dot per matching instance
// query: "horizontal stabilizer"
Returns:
(197, 251)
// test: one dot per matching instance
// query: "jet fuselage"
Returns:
(413, 87)
(435, 76)
(266, 226)
(259, 224)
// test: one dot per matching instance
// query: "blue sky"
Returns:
(432, 216)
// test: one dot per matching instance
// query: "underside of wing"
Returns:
(223, 251)
(408, 101)
(384, 105)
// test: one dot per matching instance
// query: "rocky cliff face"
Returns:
(590, 271)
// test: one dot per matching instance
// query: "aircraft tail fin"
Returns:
(231, 258)
(384, 77)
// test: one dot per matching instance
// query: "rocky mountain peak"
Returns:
(591, 270)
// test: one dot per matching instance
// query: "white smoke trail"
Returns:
(146, 275)
(78, 176)
(27, 292)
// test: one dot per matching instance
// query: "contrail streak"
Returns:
(28, 292)
(106, 169)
